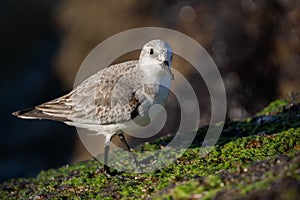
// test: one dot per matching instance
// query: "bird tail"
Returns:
(33, 113)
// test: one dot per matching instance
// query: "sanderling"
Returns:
(106, 102)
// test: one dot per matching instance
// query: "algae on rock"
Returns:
(251, 159)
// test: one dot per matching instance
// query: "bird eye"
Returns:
(151, 52)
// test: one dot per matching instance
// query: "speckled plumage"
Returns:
(108, 99)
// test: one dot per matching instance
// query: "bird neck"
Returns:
(153, 73)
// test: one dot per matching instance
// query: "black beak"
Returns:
(166, 63)
(166, 67)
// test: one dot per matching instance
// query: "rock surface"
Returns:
(257, 158)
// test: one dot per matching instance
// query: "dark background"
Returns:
(255, 44)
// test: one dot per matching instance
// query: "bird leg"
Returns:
(107, 170)
(139, 165)
(122, 138)
(106, 150)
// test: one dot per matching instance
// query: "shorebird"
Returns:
(107, 101)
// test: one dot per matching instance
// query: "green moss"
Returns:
(274, 107)
(188, 189)
(242, 145)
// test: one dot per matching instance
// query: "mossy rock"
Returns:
(257, 158)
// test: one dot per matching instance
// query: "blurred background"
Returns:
(255, 44)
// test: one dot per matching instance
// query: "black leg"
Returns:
(122, 138)
(139, 164)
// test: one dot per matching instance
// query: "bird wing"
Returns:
(104, 98)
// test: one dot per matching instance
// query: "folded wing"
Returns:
(100, 99)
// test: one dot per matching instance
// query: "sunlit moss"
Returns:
(241, 145)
